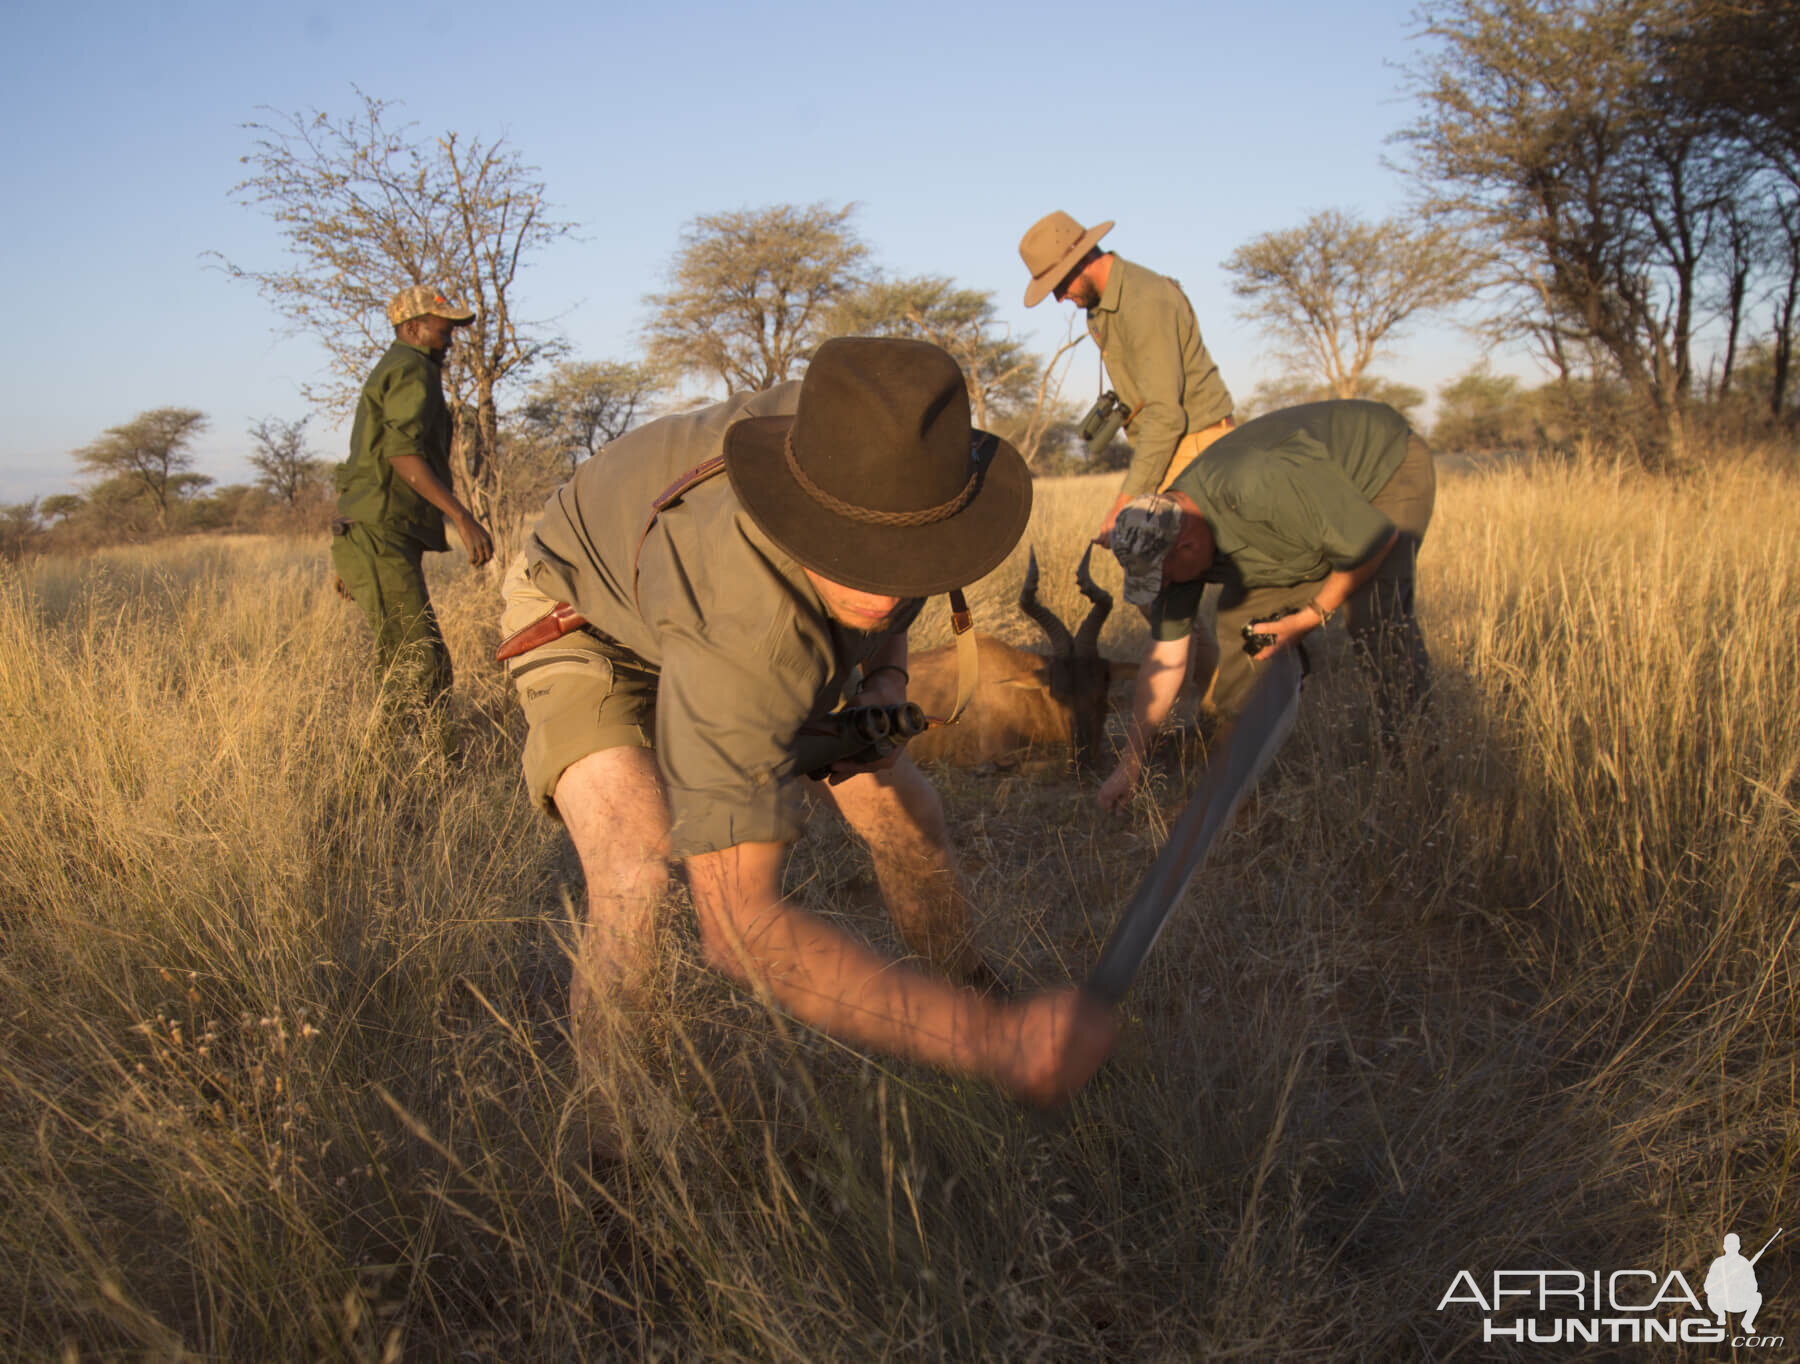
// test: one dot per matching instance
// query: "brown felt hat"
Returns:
(878, 481)
(1054, 247)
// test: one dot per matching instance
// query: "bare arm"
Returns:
(1042, 1049)
(1334, 591)
(1159, 680)
(418, 476)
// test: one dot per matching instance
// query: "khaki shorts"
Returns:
(1190, 448)
(581, 694)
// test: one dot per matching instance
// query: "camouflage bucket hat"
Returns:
(425, 300)
(1142, 536)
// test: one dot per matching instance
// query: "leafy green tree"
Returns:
(1012, 390)
(149, 456)
(1482, 411)
(1556, 137)
(20, 530)
(581, 405)
(61, 506)
(750, 293)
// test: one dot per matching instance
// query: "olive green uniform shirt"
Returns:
(746, 651)
(1287, 498)
(1159, 366)
(401, 412)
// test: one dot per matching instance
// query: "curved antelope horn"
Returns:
(1087, 638)
(1060, 643)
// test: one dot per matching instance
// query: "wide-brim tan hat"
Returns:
(1052, 248)
(425, 300)
(878, 481)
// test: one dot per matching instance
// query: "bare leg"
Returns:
(898, 814)
(613, 804)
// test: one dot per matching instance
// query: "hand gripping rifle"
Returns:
(856, 734)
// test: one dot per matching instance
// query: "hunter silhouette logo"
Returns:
(1620, 1306)
(1731, 1283)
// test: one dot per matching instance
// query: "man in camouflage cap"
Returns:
(395, 491)
(1298, 515)
(1175, 399)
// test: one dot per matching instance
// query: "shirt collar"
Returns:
(1115, 284)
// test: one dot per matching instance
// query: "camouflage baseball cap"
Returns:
(425, 300)
(1142, 536)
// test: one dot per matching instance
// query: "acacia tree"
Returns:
(148, 457)
(581, 405)
(1335, 289)
(1732, 63)
(1011, 390)
(20, 530)
(281, 460)
(366, 210)
(1552, 134)
(750, 291)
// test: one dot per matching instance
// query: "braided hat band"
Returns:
(925, 516)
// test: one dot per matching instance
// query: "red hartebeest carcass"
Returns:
(1025, 700)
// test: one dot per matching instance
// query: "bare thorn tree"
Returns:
(749, 293)
(366, 210)
(281, 460)
(1334, 289)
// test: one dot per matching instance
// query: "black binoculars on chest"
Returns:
(1104, 420)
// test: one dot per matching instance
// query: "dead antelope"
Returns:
(1024, 699)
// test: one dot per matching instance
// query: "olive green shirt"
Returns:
(1159, 366)
(1287, 498)
(401, 412)
(746, 651)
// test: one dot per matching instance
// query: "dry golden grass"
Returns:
(282, 1072)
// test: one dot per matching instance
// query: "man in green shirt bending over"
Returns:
(394, 493)
(1309, 510)
(1150, 342)
(735, 572)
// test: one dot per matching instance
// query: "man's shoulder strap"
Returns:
(961, 618)
(667, 498)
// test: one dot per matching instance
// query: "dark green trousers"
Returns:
(386, 578)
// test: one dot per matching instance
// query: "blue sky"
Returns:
(954, 127)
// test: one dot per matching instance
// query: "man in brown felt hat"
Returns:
(394, 494)
(723, 619)
(1177, 403)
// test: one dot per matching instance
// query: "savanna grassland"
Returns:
(283, 1072)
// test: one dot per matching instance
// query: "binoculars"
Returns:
(1104, 420)
(1255, 641)
(860, 734)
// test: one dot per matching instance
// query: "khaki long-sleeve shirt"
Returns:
(1150, 342)
(746, 651)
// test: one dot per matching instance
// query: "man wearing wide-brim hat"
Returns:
(394, 494)
(1174, 398)
(727, 609)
